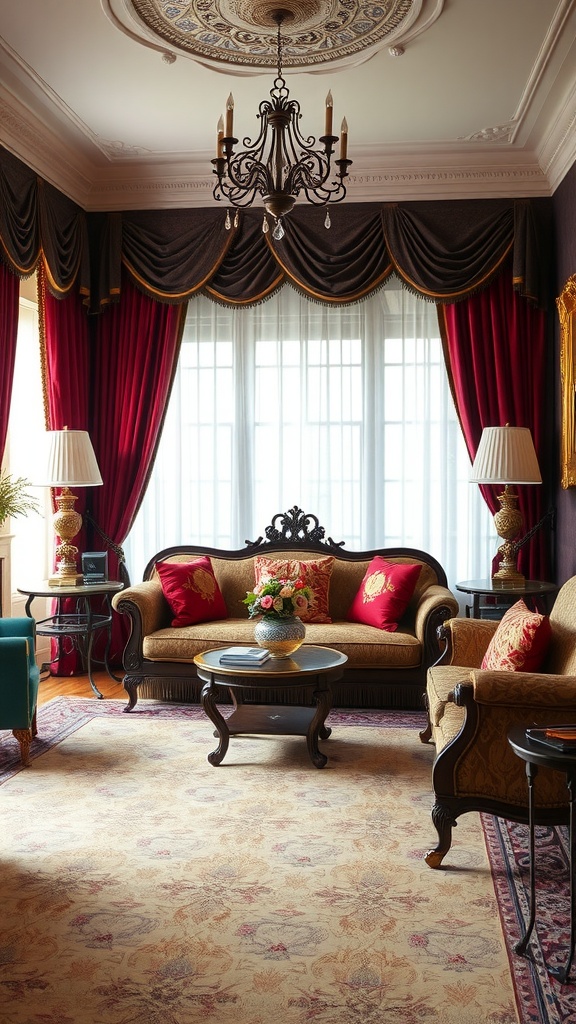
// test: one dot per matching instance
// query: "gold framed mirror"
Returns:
(566, 303)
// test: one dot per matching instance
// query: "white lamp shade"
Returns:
(506, 455)
(69, 460)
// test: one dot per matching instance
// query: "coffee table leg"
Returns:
(208, 700)
(317, 727)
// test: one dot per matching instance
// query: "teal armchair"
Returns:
(19, 679)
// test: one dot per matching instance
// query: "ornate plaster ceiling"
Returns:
(453, 99)
(242, 34)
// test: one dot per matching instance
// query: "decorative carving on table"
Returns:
(566, 303)
(295, 527)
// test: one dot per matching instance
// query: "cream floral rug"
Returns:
(140, 885)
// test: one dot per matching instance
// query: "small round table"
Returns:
(81, 625)
(310, 666)
(532, 589)
(535, 755)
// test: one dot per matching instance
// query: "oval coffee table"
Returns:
(314, 668)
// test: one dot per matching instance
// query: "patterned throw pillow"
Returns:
(315, 574)
(520, 641)
(192, 592)
(384, 593)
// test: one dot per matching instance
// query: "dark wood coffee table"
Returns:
(314, 668)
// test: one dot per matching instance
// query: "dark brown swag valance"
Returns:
(36, 219)
(443, 250)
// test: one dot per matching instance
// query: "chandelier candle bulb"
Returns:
(344, 139)
(329, 111)
(229, 116)
(220, 144)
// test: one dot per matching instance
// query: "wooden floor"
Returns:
(79, 686)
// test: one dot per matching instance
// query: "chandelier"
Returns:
(281, 163)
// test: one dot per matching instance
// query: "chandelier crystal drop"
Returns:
(280, 164)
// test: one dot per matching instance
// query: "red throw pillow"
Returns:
(384, 593)
(520, 641)
(192, 591)
(315, 573)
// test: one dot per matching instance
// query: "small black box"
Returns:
(95, 566)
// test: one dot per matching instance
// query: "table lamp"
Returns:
(69, 462)
(506, 456)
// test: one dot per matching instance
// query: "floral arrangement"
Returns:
(278, 599)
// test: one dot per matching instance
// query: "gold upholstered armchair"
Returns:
(471, 711)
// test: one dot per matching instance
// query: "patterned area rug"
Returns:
(142, 885)
(540, 997)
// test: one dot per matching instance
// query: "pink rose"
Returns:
(266, 602)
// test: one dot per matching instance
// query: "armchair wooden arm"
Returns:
(478, 771)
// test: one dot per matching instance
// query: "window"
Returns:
(32, 534)
(345, 412)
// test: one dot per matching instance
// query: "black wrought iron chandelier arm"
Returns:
(245, 170)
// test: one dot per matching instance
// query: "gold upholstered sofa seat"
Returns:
(471, 712)
(364, 646)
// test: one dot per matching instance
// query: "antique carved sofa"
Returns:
(472, 710)
(385, 669)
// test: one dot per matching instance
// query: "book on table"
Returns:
(253, 656)
(555, 737)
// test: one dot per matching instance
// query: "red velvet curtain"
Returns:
(9, 295)
(495, 346)
(117, 388)
(65, 339)
(135, 354)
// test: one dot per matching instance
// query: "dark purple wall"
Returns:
(564, 206)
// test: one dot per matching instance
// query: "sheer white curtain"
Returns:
(345, 412)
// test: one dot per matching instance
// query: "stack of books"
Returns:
(250, 656)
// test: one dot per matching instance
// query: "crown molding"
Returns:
(44, 151)
(121, 180)
(374, 180)
(557, 152)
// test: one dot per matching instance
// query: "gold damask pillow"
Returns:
(520, 641)
(314, 573)
(384, 593)
(192, 592)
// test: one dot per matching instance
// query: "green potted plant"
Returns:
(14, 499)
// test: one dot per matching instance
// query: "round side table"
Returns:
(532, 589)
(536, 755)
(81, 625)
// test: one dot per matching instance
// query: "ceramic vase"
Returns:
(281, 637)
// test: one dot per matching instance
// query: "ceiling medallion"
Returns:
(242, 33)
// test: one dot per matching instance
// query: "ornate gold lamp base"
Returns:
(508, 523)
(67, 524)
